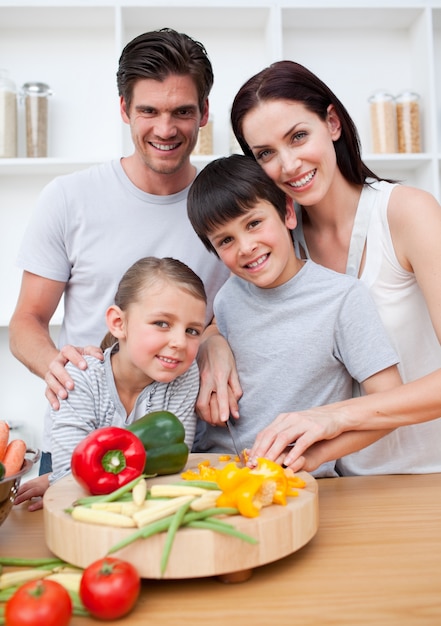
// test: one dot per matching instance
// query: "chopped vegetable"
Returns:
(162, 435)
(108, 458)
(249, 489)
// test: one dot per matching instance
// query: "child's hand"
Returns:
(33, 490)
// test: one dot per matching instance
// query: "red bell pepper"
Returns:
(107, 459)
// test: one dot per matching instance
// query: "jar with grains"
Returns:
(204, 144)
(8, 116)
(408, 122)
(36, 110)
(383, 122)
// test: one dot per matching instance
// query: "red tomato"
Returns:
(109, 588)
(39, 602)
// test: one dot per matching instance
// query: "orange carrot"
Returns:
(4, 438)
(14, 457)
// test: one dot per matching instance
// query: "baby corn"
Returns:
(154, 513)
(108, 518)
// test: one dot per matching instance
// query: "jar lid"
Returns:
(407, 95)
(37, 89)
(5, 81)
(380, 96)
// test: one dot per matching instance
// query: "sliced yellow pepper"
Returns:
(247, 489)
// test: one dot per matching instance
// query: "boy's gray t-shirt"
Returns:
(296, 346)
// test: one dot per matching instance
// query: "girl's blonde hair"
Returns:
(147, 271)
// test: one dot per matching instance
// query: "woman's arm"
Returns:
(412, 403)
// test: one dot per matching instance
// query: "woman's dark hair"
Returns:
(146, 272)
(287, 80)
(159, 54)
(227, 188)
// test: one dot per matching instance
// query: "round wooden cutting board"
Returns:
(280, 530)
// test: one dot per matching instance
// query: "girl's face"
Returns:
(159, 335)
(257, 245)
(294, 147)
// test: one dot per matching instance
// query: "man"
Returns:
(90, 226)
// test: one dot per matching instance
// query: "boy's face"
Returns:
(257, 246)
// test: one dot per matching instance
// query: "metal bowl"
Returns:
(9, 485)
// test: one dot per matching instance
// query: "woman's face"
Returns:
(294, 147)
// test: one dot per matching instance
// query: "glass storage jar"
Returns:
(204, 143)
(8, 116)
(408, 122)
(383, 122)
(36, 110)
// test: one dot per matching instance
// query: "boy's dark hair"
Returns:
(159, 54)
(227, 188)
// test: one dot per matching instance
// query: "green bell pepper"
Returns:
(162, 435)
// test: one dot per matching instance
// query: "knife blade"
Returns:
(236, 443)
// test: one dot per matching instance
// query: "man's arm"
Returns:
(30, 341)
(29, 338)
(220, 387)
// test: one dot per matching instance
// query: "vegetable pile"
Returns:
(162, 508)
(249, 490)
(49, 591)
(202, 499)
(12, 452)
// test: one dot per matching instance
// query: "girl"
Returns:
(351, 220)
(155, 327)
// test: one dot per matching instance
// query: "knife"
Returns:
(236, 443)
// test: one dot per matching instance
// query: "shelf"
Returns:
(45, 166)
(355, 46)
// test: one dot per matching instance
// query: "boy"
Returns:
(300, 332)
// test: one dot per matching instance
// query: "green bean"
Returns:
(142, 533)
(222, 527)
(164, 523)
(204, 484)
(5, 594)
(22, 562)
(176, 522)
(78, 607)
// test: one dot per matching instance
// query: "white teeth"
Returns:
(304, 180)
(259, 261)
(165, 148)
(163, 358)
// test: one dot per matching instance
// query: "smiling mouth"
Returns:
(165, 147)
(168, 360)
(257, 262)
(304, 180)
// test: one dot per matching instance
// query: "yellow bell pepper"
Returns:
(247, 489)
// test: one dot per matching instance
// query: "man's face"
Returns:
(164, 119)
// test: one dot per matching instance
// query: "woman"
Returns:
(352, 221)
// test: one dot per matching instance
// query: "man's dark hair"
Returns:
(159, 54)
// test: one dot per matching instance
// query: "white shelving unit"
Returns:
(355, 46)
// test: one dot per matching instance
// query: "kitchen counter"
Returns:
(376, 559)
